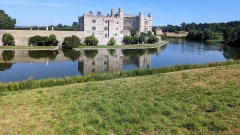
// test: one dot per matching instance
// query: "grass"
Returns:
(199, 101)
(27, 47)
(136, 46)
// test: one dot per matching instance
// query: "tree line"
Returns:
(229, 32)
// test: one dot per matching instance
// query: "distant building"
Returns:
(113, 25)
(158, 31)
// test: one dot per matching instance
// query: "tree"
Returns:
(60, 25)
(153, 39)
(91, 41)
(128, 40)
(72, 42)
(8, 39)
(133, 32)
(75, 25)
(149, 33)
(183, 26)
(164, 36)
(52, 40)
(112, 42)
(6, 22)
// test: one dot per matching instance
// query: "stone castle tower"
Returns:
(113, 25)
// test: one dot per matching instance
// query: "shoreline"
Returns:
(138, 46)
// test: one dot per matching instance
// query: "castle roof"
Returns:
(158, 28)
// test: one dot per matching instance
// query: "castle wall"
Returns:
(21, 36)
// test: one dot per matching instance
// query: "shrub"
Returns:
(72, 42)
(8, 39)
(71, 54)
(112, 42)
(128, 40)
(41, 41)
(153, 39)
(91, 41)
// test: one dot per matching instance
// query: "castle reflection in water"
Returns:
(89, 61)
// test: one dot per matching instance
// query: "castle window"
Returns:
(116, 28)
(115, 34)
(129, 22)
(106, 35)
(106, 21)
(105, 28)
(93, 21)
(146, 22)
(124, 22)
(93, 28)
(93, 63)
(93, 70)
(117, 22)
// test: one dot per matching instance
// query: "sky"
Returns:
(174, 12)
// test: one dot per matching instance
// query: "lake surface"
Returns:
(19, 65)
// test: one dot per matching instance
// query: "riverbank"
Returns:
(199, 101)
(175, 35)
(136, 46)
(28, 47)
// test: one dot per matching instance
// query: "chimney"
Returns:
(99, 14)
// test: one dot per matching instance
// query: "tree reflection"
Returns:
(38, 54)
(5, 66)
(231, 52)
(111, 52)
(8, 55)
(90, 53)
(152, 50)
(132, 53)
(71, 54)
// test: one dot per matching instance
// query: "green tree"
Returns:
(111, 52)
(183, 26)
(149, 33)
(133, 32)
(72, 42)
(152, 39)
(8, 39)
(112, 42)
(8, 55)
(128, 40)
(75, 25)
(164, 36)
(52, 40)
(6, 22)
(60, 25)
(91, 41)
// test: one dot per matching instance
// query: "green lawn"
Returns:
(136, 46)
(199, 101)
(27, 47)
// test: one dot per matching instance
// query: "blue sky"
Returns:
(53, 12)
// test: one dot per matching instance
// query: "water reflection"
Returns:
(8, 55)
(5, 66)
(71, 54)
(38, 54)
(62, 63)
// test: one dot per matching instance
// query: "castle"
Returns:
(113, 25)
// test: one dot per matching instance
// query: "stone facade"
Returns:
(113, 25)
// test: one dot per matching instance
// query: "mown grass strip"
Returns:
(42, 83)
(136, 46)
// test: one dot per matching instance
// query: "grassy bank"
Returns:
(27, 47)
(42, 83)
(136, 46)
(199, 101)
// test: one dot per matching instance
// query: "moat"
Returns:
(20, 64)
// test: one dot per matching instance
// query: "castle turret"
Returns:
(141, 22)
(150, 22)
(113, 12)
(120, 13)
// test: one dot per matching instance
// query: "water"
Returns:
(19, 65)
